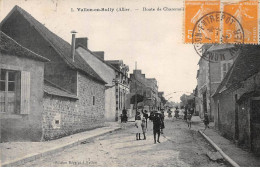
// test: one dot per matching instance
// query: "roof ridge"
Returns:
(61, 46)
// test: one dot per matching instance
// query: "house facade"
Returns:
(113, 72)
(210, 74)
(237, 101)
(74, 94)
(21, 91)
(122, 87)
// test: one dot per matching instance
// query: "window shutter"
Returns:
(25, 92)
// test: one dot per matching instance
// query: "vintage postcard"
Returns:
(123, 83)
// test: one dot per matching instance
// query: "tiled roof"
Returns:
(9, 46)
(246, 65)
(62, 47)
(53, 89)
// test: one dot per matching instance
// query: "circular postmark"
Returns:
(217, 36)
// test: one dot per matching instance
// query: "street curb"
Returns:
(33, 157)
(225, 156)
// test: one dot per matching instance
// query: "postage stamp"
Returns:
(246, 13)
(221, 22)
(194, 11)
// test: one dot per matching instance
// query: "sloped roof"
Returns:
(62, 47)
(98, 57)
(10, 46)
(246, 65)
(55, 90)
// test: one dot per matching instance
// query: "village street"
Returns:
(179, 147)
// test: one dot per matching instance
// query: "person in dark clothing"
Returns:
(124, 115)
(157, 123)
(206, 121)
(145, 114)
(185, 114)
(162, 118)
(152, 115)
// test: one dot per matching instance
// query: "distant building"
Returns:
(122, 86)
(74, 94)
(146, 87)
(237, 100)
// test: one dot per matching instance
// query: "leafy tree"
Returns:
(139, 97)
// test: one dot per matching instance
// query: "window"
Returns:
(9, 91)
(93, 100)
(14, 91)
(225, 66)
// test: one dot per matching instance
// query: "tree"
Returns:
(163, 100)
(139, 97)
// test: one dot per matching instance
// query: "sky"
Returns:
(153, 39)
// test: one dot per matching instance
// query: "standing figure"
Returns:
(145, 114)
(157, 122)
(124, 116)
(176, 113)
(138, 123)
(206, 121)
(162, 119)
(189, 119)
(144, 126)
(185, 114)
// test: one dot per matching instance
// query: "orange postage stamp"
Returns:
(221, 22)
(194, 11)
(246, 12)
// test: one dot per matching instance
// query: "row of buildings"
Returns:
(50, 88)
(229, 92)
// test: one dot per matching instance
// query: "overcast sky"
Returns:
(153, 39)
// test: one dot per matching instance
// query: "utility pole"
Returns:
(135, 89)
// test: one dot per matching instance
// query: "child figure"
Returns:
(144, 127)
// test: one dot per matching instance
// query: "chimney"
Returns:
(83, 41)
(73, 44)
(100, 54)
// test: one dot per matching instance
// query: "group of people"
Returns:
(157, 117)
(188, 112)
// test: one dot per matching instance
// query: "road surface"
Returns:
(179, 146)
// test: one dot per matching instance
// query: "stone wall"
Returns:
(64, 116)
(225, 120)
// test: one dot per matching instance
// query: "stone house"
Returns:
(21, 91)
(237, 100)
(114, 73)
(210, 74)
(74, 94)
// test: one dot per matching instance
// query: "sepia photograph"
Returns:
(129, 83)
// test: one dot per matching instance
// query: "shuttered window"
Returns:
(14, 92)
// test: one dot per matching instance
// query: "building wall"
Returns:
(74, 115)
(55, 71)
(24, 127)
(225, 120)
(106, 73)
(110, 104)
